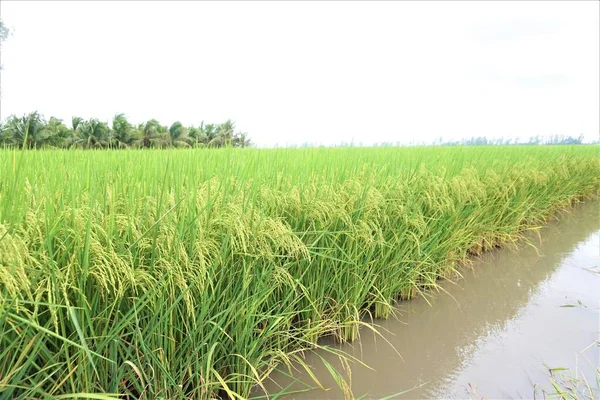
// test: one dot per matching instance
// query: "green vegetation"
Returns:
(534, 140)
(192, 274)
(565, 385)
(32, 131)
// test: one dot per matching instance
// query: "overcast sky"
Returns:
(325, 73)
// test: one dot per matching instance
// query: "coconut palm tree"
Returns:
(241, 140)
(122, 131)
(198, 135)
(150, 134)
(210, 131)
(32, 131)
(75, 121)
(27, 131)
(91, 134)
(178, 135)
(225, 133)
(57, 133)
(4, 135)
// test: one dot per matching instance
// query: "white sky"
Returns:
(325, 73)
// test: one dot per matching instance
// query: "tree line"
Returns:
(34, 131)
(534, 140)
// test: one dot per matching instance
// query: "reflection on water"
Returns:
(493, 330)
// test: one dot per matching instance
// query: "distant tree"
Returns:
(571, 140)
(122, 132)
(57, 133)
(75, 121)
(534, 140)
(32, 131)
(210, 131)
(198, 135)
(91, 134)
(241, 140)
(225, 133)
(28, 131)
(150, 134)
(178, 135)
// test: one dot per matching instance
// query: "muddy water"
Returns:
(492, 332)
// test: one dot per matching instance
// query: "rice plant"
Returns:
(194, 273)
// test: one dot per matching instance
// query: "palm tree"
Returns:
(225, 133)
(32, 131)
(122, 131)
(4, 135)
(210, 131)
(241, 140)
(91, 134)
(178, 135)
(150, 134)
(198, 135)
(27, 131)
(56, 132)
(75, 121)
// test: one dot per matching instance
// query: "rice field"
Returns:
(193, 273)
